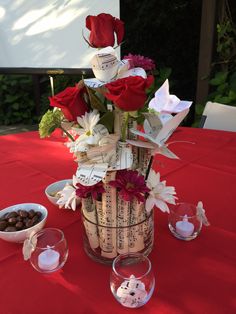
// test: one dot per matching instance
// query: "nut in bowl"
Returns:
(52, 190)
(17, 222)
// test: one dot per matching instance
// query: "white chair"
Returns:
(218, 117)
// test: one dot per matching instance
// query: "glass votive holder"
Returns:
(50, 250)
(132, 281)
(184, 223)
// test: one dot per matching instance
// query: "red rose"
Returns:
(103, 27)
(71, 102)
(128, 93)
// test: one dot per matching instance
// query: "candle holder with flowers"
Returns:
(115, 126)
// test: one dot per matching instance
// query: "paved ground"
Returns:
(11, 129)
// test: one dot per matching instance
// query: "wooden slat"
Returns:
(208, 26)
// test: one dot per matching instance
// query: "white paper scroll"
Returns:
(136, 238)
(89, 211)
(124, 157)
(91, 174)
(123, 220)
(107, 218)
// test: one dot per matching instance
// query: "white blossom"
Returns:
(160, 194)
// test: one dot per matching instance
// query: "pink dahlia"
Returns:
(141, 61)
(130, 184)
(94, 190)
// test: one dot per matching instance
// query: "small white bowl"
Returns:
(55, 187)
(21, 235)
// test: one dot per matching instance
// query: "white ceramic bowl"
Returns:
(21, 235)
(54, 188)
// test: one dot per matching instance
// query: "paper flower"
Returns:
(71, 102)
(159, 194)
(95, 190)
(164, 102)
(103, 27)
(130, 185)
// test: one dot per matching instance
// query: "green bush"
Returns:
(16, 100)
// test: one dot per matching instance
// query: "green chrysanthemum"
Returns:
(49, 122)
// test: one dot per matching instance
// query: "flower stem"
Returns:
(67, 134)
(124, 126)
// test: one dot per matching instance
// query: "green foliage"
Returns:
(16, 100)
(223, 79)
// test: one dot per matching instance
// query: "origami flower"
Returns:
(140, 61)
(130, 184)
(128, 93)
(71, 102)
(159, 194)
(95, 190)
(164, 102)
(103, 27)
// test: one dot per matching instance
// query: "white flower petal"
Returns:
(150, 202)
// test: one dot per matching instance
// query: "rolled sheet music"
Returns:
(89, 212)
(123, 221)
(136, 236)
(107, 218)
(144, 159)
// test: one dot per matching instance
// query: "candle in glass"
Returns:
(48, 259)
(184, 227)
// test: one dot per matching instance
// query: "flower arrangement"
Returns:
(115, 127)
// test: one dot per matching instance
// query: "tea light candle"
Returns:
(184, 227)
(48, 259)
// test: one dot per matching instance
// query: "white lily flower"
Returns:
(160, 194)
(68, 198)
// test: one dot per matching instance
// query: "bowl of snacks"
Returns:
(53, 190)
(17, 222)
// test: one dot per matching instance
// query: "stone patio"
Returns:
(11, 129)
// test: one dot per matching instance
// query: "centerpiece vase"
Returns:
(113, 226)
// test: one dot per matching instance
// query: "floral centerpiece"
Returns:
(114, 128)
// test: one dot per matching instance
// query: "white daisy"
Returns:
(68, 197)
(90, 132)
(160, 194)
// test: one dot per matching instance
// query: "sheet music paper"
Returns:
(124, 156)
(107, 218)
(123, 220)
(136, 237)
(91, 174)
(144, 159)
(89, 211)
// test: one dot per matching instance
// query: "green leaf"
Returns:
(95, 102)
(223, 100)
(219, 78)
(108, 121)
(16, 106)
(232, 96)
(233, 82)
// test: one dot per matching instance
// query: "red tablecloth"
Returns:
(191, 277)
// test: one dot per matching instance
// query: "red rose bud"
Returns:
(103, 27)
(128, 93)
(71, 102)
